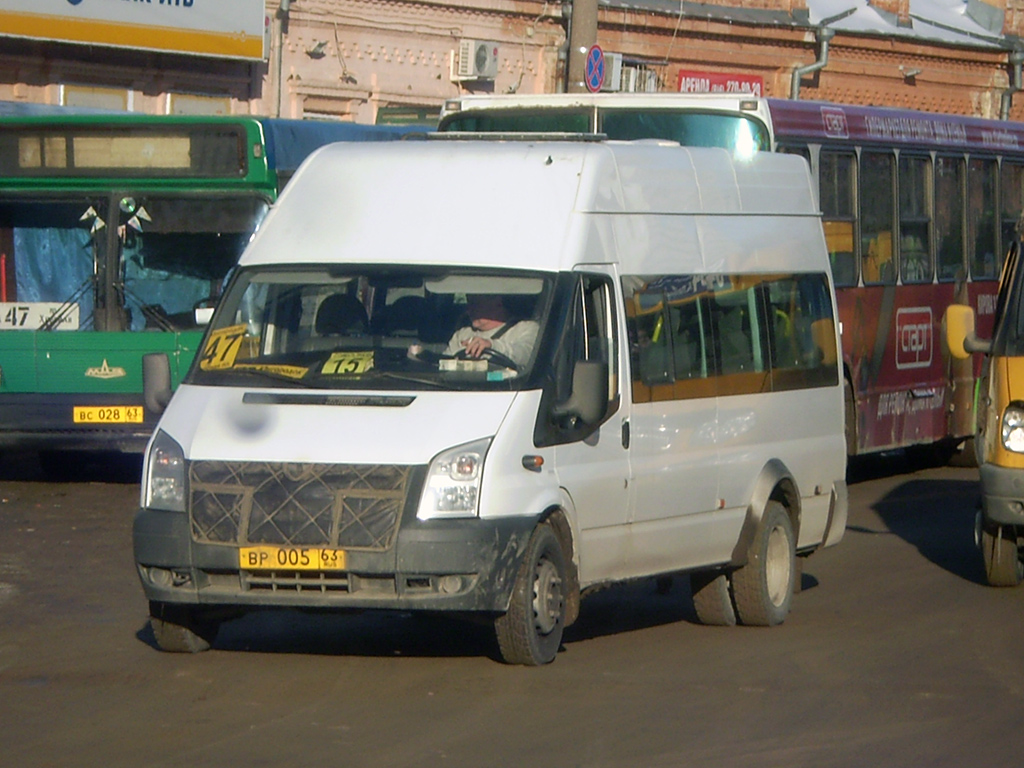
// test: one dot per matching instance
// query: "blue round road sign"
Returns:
(594, 73)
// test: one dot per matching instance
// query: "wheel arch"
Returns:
(559, 520)
(774, 483)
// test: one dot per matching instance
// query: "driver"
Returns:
(491, 328)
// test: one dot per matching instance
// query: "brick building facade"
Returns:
(395, 60)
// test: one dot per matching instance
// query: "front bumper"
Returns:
(464, 565)
(1002, 494)
(45, 422)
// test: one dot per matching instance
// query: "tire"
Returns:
(1003, 567)
(711, 598)
(530, 632)
(762, 590)
(181, 629)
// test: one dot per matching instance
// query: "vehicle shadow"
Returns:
(629, 607)
(71, 467)
(350, 633)
(937, 517)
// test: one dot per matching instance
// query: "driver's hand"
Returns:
(476, 346)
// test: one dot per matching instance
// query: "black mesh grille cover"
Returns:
(354, 506)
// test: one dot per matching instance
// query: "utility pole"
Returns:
(582, 35)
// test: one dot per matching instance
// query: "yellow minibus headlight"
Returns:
(1013, 428)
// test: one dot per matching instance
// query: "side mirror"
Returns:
(156, 381)
(203, 310)
(960, 336)
(589, 398)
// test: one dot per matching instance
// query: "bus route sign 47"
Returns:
(32, 315)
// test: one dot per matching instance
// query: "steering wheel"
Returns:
(491, 356)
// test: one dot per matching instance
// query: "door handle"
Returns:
(625, 433)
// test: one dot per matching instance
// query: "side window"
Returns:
(949, 216)
(876, 218)
(1011, 202)
(590, 335)
(738, 331)
(668, 324)
(700, 336)
(981, 213)
(803, 339)
(915, 219)
(837, 178)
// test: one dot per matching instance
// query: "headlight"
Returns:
(1013, 428)
(452, 488)
(165, 475)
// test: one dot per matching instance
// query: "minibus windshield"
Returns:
(376, 328)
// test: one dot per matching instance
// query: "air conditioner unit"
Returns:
(612, 72)
(478, 60)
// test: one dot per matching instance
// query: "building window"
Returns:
(194, 104)
(90, 97)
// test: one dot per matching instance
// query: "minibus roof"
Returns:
(506, 203)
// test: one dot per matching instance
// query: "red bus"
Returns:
(917, 210)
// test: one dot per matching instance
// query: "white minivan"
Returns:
(487, 377)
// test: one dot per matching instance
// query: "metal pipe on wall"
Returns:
(822, 35)
(1016, 60)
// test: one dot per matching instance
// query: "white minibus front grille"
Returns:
(352, 506)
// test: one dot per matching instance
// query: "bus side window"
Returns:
(981, 215)
(949, 216)
(1011, 203)
(876, 217)
(915, 219)
(837, 178)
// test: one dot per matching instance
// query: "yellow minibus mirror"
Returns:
(960, 337)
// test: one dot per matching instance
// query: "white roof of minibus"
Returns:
(505, 203)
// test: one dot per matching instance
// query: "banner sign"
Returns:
(224, 28)
(720, 82)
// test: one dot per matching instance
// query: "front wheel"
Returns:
(181, 628)
(1003, 567)
(530, 632)
(762, 589)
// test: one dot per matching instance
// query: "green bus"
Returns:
(116, 234)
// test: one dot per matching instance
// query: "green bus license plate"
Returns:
(269, 558)
(107, 414)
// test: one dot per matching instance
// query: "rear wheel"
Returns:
(530, 632)
(1003, 567)
(711, 598)
(762, 589)
(181, 628)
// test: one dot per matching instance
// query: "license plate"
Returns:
(107, 414)
(268, 558)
